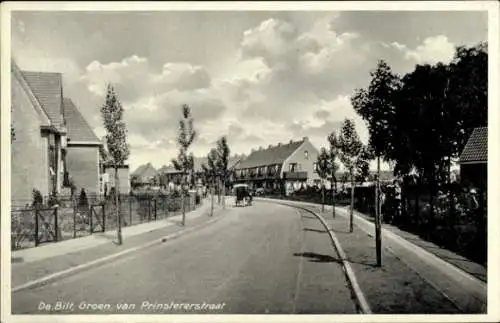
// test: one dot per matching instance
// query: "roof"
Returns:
(17, 74)
(270, 156)
(47, 88)
(170, 169)
(145, 171)
(476, 149)
(78, 128)
(233, 161)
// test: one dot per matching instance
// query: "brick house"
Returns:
(39, 147)
(83, 151)
(284, 166)
(474, 159)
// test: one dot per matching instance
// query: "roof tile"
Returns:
(47, 88)
(78, 128)
(476, 149)
(270, 156)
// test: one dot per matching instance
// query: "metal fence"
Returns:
(72, 218)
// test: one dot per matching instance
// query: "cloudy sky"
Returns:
(258, 77)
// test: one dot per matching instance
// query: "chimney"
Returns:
(279, 144)
(291, 140)
(305, 138)
(270, 146)
(253, 150)
(260, 147)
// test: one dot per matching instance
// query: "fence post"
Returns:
(37, 242)
(103, 217)
(56, 236)
(91, 219)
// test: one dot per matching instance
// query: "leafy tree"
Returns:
(186, 134)
(376, 106)
(323, 169)
(116, 142)
(354, 156)
(333, 154)
(222, 162)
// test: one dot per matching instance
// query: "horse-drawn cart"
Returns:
(243, 197)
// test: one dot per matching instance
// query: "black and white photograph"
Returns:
(196, 160)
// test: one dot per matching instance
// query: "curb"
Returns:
(95, 263)
(351, 278)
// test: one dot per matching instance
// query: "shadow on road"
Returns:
(315, 230)
(315, 257)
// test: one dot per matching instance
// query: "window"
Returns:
(293, 167)
(306, 154)
(315, 167)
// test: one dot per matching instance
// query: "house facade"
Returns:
(474, 159)
(108, 180)
(37, 159)
(83, 151)
(53, 143)
(284, 166)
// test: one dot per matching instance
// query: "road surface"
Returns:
(261, 259)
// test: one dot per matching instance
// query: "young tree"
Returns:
(223, 152)
(116, 143)
(186, 134)
(323, 168)
(354, 156)
(376, 106)
(333, 154)
(210, 171)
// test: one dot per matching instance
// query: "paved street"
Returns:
(255, 260)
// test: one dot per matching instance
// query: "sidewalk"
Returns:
(35, 263)
(409, 272)
(54, 249)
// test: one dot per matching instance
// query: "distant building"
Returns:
(283, 166)
(108, 179)
(474, 159)
(145, 175)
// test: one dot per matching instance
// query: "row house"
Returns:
(53, 145)
(283, 166)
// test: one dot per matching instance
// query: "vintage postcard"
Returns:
(284, 161)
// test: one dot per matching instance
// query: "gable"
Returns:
(47, 88)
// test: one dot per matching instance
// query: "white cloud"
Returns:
(432, 50)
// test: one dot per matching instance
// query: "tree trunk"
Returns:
(333, 196)
(183, 196)
(322, 195)
(212, 198)
(351, 213)
(224, 193)
(218, 190)
(117, 208)
(378, 222)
